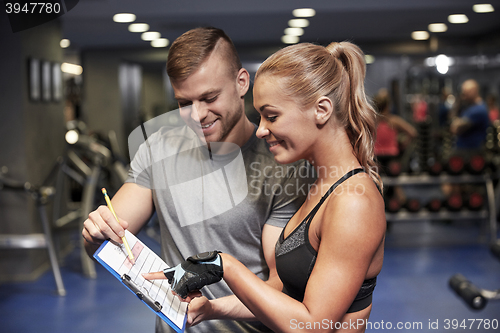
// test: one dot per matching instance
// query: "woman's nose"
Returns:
(262, 131)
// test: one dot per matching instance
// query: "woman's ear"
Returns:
(243, 82)
(324, 110)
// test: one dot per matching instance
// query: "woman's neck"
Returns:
(333, 157)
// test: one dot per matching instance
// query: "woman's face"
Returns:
(289, 129)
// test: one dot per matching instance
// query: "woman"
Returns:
(313, 106)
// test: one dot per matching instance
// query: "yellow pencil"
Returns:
(106, 197)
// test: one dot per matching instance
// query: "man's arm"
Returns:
(460, 126)
(133, 205)
(230, 307)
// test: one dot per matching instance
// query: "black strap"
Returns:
(348, 175)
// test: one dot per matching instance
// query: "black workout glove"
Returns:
(195, 273)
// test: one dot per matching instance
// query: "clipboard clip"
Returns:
(155, 305)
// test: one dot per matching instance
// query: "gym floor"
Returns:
(412, 290)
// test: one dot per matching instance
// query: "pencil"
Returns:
(127, 247)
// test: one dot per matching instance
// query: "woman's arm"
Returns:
(402, 125)
(351, 234)
(350, 237)
(230, 307)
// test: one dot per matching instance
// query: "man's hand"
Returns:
(102, 225)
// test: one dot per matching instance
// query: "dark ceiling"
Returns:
(256, 26)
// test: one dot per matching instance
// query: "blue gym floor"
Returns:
(412, 289)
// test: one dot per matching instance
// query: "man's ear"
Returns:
(323, 110)
(243, 81)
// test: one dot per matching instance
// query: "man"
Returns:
(470, 128)
(182, 185)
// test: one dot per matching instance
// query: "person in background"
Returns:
(493, 112)
(393, 132)
(313, 106)
(471, 125)
(389, 127)
(209, 84)
(444, 107)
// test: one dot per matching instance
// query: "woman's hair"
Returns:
(338, 72)
(193, 47)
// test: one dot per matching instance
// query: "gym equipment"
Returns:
(455, 202)
(394, 168)
(434, 205)
(455, 165)
(87, 166)
(435, 168)
(475, 201)
(392, 205)
(413, 205)
(476, 164)
(41, 195)
(475, 297)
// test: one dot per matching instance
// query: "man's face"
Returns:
(469, 92)
(210, 100)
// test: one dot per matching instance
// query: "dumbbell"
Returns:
(434, 205)
(435, 168)
(455, 165)
(413, 205)
(468, 292)
(455, 202)
(476, 164)
(392, 205)
(475, 201)
(394, 168)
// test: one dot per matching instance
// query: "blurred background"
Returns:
(72, 90)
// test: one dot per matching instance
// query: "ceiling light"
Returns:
(430, 61)
(138, 27)
(64, 43)
(150, 35)
(288, 39)
(483, 8)
(124, 18)
(304, 12)
(298, 23)
(458, 18)
(442, 63)
(437, 27)
(420, 35)
(71, 137)
(160, 42)
(71, 68)
(369, 59)
(294, 31)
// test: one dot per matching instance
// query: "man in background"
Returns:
(471, 125)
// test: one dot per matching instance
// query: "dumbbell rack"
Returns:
(424, 179)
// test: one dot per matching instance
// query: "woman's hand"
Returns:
(193, 274)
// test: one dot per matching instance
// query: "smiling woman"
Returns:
(312, 105)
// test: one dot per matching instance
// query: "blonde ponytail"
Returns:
(359, 115)
(337, 71)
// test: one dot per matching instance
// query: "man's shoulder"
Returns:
(477, 109)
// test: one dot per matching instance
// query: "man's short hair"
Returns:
(193, 47)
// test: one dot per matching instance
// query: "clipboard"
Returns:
(156, 295)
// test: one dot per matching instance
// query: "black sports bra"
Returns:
(295, 258)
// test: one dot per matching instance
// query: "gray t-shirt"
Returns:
(217, 200)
